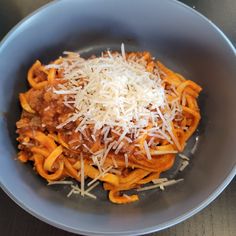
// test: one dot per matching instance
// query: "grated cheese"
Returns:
(106, 134)
(87, 148)
(151, 141)
(82, 174)
(127, 196)
(115, 171)
(96, 162)
(114, 162)
(70, 193)
(93, 137)
(91, 188)
(171, 182)
(193, 150)
(106, 152)
(60, 182)
(100, 175)
(146, 148)
(27, 144)
(119, 148)
(159, 180)
(184, 164)
(160, 185)
(113, 93)
(182, 156)
(126, 160)
(47, 108)
(122, 135)
(128, 139)
(123, 51)
(76, 190)
(116, 90)
(163, 152)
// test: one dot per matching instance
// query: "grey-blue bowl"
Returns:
(177, 35)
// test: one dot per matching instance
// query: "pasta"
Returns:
(120, 119)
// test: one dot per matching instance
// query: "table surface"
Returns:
(218, 219)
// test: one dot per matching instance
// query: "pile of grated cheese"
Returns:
(113, 93)
(110, 91)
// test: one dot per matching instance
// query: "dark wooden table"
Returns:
(218, 219)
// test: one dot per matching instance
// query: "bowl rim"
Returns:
(152, 229)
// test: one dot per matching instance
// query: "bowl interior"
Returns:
(178, 37)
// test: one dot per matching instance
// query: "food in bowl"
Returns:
(119, 119)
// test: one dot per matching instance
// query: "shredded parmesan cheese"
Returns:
(91, 188)
(183, 165)
(115, 171)
(161, 185)
(82, 174)
(146, 148)
(123, 51)
(126, 160)
(127, 196)
(70, 193)
(183, 157)
(159, 180)
(163, 152)
(60, 182)
(119, 147)
(107, 151)
(100, 175)
(114, 93)
(76, 190)
(114, 162)
(195, 145)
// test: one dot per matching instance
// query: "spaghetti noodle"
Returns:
(118, 118)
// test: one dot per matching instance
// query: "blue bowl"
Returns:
(174, 33)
